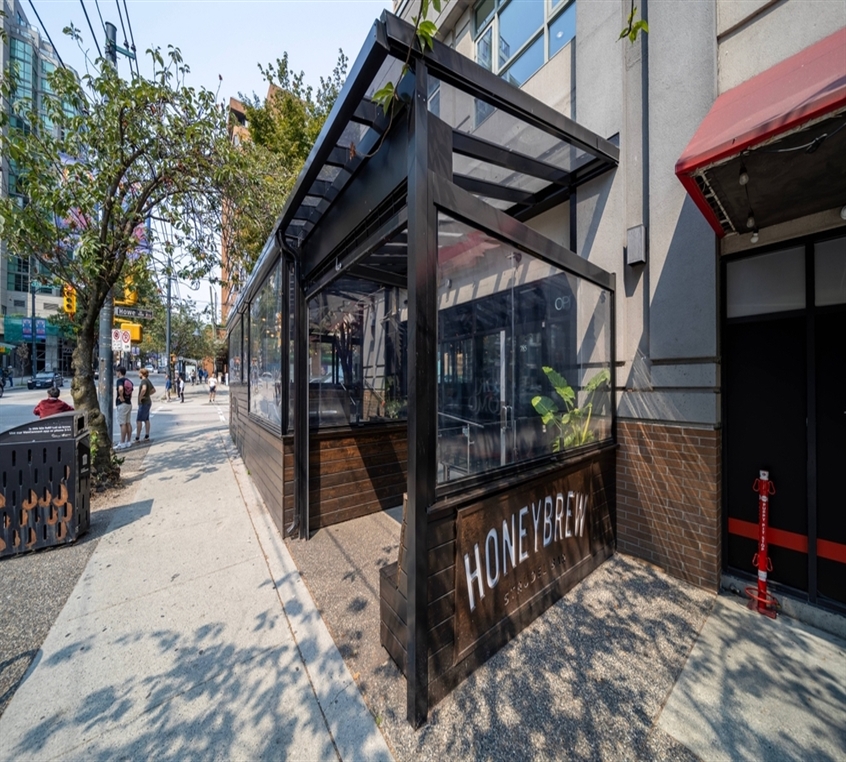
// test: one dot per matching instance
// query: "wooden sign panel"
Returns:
(523, 545)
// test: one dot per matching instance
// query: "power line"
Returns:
(102, 23)
(131, 37)
(94, 36)
(48, 35)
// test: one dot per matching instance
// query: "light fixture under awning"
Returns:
(785, 129)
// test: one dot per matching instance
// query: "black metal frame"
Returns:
(402, 173)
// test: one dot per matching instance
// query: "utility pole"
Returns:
(106, 384)
(167, 327)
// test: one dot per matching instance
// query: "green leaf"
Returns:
(544, 406)
(559, 383)
(384, 96)
(424, 9)
(602, 377)
(426, 34)
(437, 4)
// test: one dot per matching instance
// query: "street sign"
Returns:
(126, 340)
(117, 343)
(136, 313)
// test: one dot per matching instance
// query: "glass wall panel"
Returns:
(266, 349)
(235, 349)
(357, 353)
(524, 356)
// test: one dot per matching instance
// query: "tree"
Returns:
(117, 154)
(282, 130)
(191, 334)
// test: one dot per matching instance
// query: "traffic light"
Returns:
(130, 295)
(69, 299)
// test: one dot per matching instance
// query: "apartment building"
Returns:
(26, 302)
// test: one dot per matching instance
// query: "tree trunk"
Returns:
(105, 470)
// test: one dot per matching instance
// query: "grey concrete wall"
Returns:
(683, 272)
(758, 40)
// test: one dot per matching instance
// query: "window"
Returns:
(235, 340)
(515, 37)
(357, 354)
(266, 350)
(524, 356)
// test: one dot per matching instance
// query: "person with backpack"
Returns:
(123, 407)
(146, 390)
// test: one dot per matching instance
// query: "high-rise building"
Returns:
(23, 293)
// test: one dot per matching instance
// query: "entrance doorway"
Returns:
(784, 359)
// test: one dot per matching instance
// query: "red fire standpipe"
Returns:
(766, 601)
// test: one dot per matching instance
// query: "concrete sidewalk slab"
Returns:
(180, 639)
(754, 688)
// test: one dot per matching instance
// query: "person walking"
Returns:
(180, 387)
(52, 404)
(146, 390)
(168, 387)
(212, 388)
(123, 407)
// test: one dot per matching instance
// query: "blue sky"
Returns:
(222, 37)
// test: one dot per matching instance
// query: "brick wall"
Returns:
(669, 498)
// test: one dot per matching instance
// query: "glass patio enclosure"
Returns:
(402, 290)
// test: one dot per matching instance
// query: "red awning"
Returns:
(793, 93)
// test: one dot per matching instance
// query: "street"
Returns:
(17, 402)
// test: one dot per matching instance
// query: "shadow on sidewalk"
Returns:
(214, 700)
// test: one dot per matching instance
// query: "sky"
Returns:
(218, 38)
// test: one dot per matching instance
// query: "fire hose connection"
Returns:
(760, 597)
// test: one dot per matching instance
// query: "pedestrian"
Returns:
(52, 404)
(168, 387)
(180, 387)
(146, 390)
(212, 388)
(123, 406)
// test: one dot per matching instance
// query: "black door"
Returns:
(784, 365)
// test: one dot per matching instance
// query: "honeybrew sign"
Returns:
(520, 551)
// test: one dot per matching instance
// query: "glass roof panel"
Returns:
(465, 165)
(476, 117)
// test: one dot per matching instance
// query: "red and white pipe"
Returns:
(767, 603)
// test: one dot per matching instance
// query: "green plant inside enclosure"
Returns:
(571, 426)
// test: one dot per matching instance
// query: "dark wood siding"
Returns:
(352, 472)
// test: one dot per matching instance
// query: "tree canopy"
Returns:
(93, 164)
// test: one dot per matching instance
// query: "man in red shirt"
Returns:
(51, 405)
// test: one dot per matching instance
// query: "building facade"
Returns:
(700, 301)
(574, 298)
(26, 302)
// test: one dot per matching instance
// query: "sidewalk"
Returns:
(176, 643)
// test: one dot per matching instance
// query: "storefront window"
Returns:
(524, 356)
(266, 350)
(357, 351)
(235, 340)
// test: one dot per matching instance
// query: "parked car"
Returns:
(45, 380)
(149, 369)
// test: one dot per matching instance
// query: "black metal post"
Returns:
(422, 393)
(301, 403)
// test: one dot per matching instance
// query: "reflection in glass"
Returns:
(266, 349)
(517, 23)
(524, 356)
(562, 30)
(526, 64)
(235, 340)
